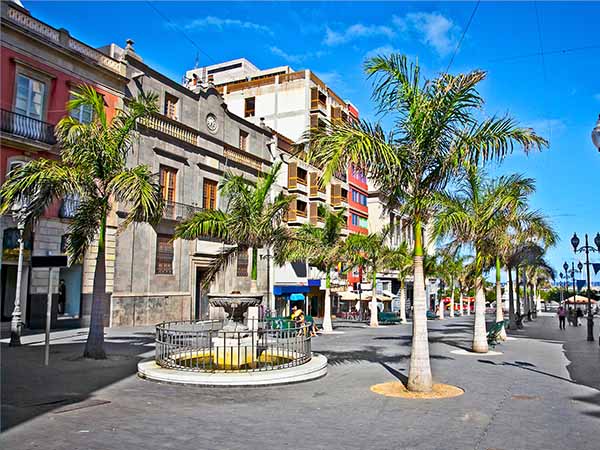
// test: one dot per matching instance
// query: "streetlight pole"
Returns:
(587, 249)
(16, 320)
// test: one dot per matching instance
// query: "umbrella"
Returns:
(579, 299)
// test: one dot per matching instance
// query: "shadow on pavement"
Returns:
(30, 389)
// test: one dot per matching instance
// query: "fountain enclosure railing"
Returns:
(219, 345)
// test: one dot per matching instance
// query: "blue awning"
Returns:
(290, 289)
(316, 283)
(297, 297)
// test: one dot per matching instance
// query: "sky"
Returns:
(542, 60)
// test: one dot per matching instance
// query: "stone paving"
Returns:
(543, 392)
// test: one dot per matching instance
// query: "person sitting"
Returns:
(298, 318)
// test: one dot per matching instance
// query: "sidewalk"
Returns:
(542, 393)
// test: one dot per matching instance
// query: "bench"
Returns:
(388, 317)
(493, 335)
(431, 315)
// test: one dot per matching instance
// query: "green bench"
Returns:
(431, 315)
(493, 335)
(388, 317)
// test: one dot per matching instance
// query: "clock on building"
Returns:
(211, 123)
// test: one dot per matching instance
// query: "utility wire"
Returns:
(463, 35)
(551, 52)
(545, 73)
(184, 34)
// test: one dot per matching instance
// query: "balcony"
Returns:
(179, 211)
(297, 185)
(68, 207)
(27, 127)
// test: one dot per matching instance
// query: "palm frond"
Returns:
(209, 223)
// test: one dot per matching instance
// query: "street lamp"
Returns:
(16, 320)
(587, 249)
(596, 136)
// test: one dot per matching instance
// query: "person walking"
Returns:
(562, 315)
(579, 315)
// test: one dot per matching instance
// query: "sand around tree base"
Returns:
(397, 389)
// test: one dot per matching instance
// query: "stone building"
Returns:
(189, 145)
(40, 66)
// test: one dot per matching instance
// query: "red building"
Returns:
(40, 65)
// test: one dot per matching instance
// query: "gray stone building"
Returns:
(189, 146)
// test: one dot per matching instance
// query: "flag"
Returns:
(580, 284)
(596, 267)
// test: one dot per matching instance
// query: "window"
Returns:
(358, 197)
(243, 140)
(209, 194)
(171, 106)
(83, 113)
(249, 107)
(359, 221)
(29, 100)
(211, 78)
(242, 263)
(168, 178)
(164, 254)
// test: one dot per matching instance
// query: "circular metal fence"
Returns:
(204, 346)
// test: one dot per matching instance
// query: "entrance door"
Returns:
(9, 287)
(72, 278)
(201, 299)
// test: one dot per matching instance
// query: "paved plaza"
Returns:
(543, 392)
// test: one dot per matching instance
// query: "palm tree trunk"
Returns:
(538, 302)
(254, 271)
(499, 306)
(327, 326)
(460, 294)
(452, 299)
(480, 344)
(419, 374)
(94, 346)
(518, 291)
(512, 323)
(374, 319)
(441, 307)
(527, 309)
(402, 301)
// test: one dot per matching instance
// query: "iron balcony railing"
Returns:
(68, 207)
(27, 127)
(179, 211)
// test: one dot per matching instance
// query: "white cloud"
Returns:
(384, 50)
(220, 24)
(434, 30)
(331, 78)
(356, 31)
(295, 58)
(548, 127)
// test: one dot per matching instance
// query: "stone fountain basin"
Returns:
(228, 300)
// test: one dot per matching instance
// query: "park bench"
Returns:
(493, 335)
(431, 315)
(388, 317)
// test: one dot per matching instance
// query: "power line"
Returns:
(552, 52)
(463, 35)
(539, 31)
(184, 34)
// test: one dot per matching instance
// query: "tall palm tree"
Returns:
(435, 130)
(400, 259)
(322, 247)
(93, 167)
(251, 220)
(450, 267)
(470, 217)
(370, 251)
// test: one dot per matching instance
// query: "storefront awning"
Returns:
(297, 297)
(290, 289)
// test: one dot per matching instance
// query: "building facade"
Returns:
(41, 65)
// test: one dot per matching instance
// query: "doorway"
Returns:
(201, 298)
(72, 278)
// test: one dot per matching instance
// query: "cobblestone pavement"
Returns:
(543, 392)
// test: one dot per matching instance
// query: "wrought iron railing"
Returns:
(68, 207)
(203, 346)
(27, 127)
(179, 211)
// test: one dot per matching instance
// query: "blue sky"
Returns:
(558, 94)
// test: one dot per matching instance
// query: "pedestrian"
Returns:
(579, 315)
(571, 316)
(562, 315)
(62, 296)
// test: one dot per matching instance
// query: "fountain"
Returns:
(239, 350)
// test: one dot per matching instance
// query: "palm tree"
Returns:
(400, 259)
(450, 267)
(251, 220)
(435, 131)
(93, 168)
(371, 252)
(471, 216)
(322, 247)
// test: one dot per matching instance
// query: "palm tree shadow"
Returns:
(369, 354)
(395, 373)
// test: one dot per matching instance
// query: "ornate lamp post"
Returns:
(587, 249)
(596, 134)
(561, 287)
(16, 321)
